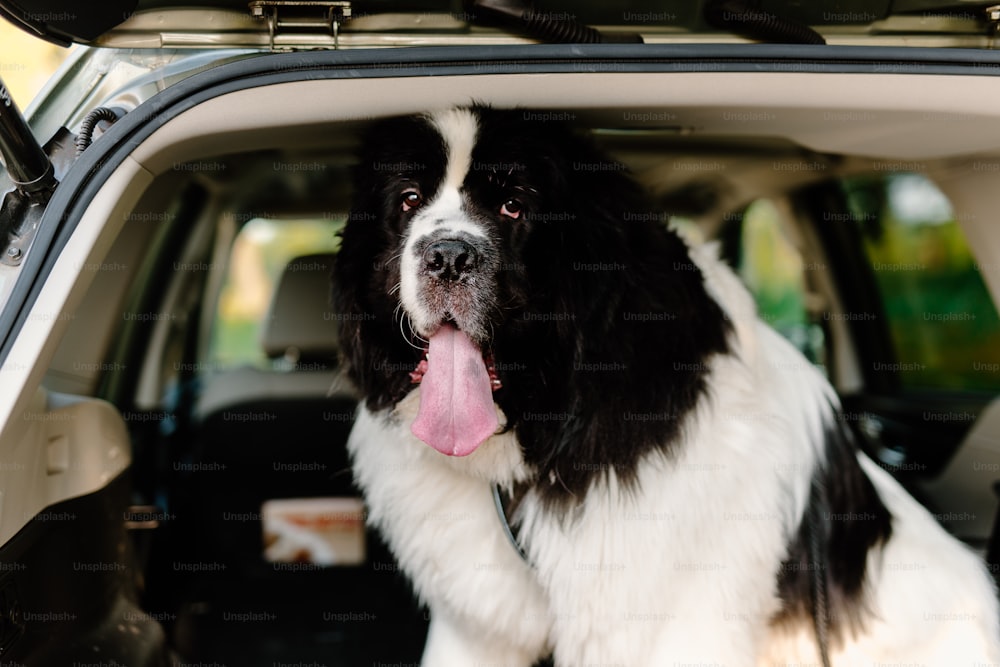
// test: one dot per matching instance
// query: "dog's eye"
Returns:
(411, 199)
(511, 208)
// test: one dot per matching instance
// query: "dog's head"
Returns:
(460, 209)
(510, 251)
(457, 193)
(455, 197)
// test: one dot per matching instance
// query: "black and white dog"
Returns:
(682, 486)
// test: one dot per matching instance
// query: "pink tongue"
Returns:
(456, 398)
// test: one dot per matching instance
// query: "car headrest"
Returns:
(300, 324)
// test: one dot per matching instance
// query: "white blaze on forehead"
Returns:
(458, 129)
(443, 214)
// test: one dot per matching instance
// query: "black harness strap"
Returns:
(501, 506)
(821, 602)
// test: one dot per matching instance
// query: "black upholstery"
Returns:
(261, 435)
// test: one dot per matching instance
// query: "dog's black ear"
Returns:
(377, 357)
(350, 277)
(366, 274)
(374, 354)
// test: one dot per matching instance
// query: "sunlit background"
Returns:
(26, 62)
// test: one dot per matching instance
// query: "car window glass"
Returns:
(941, 319)
(774, 272)
(259, 254)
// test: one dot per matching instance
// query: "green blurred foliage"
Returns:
(940, 313)
(773, 271)
(772, 268)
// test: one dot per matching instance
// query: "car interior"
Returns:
(198, 343)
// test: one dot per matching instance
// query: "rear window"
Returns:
(941, 318)
(774, 271)
(259, 254)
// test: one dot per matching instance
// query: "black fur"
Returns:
(601, 325)
(377, 355)
(847, 519)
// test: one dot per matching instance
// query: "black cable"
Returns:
(743, 18)
(86, 136)
(550, 28)
(553, 31)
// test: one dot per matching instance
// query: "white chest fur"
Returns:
(441, 522)
(634, 576)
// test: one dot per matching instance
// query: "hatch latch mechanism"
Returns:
(298, 16)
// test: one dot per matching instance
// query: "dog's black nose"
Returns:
(448, 259)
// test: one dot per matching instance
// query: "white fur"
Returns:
(683, 571)
(458, 128)
(932, 598)
(479, 590)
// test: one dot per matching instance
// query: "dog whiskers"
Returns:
(409, 325)
(415, 334)
(402, 331)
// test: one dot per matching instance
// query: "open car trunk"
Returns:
(143, 222)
